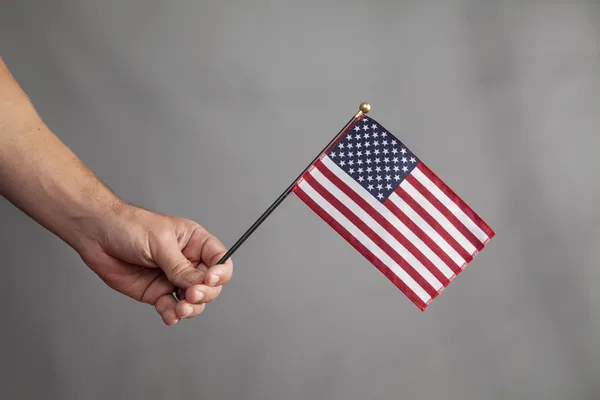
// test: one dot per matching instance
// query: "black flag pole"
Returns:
(363, 109)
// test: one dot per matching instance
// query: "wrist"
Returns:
(87, 224)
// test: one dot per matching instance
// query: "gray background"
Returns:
(207, 110)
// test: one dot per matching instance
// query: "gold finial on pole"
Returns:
(365, 107)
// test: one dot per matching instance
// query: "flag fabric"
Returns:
(394, 210)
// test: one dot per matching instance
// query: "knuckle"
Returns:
(179, 269)
(160, 307)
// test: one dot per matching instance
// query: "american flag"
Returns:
(394, 210)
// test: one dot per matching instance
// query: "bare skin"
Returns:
(142, 254)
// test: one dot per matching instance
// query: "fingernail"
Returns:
(187, 310)
(199, 295)
(214, 280)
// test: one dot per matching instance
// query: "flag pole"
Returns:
(364, 108)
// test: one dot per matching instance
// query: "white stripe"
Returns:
(438, 216)
(428, 229)
(389, 216)
(454, 209)
(364, 240)
(378, 229)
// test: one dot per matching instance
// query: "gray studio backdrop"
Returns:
(207, 110)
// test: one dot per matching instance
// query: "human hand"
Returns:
(146, 255)
(142, 254)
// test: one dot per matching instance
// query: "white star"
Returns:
(360, 170)
(366, 135)
(395, 151)
(357, 137)
(358, 153)
(375, 134)
(367, 144)
(383, 134)
(360, 179)
(396, 168)
(385, 151)
(387, 169)
(360, 162)
(388, 178)
(379, 178)
(369, 178)
(404, 160)
(380, 186)
(403, 151)
(368, 161)
(341, 145)
(395, 159)
(375, 143)
(376, 151)
(386, 160)
(351, 170)
(368, 152)
(369, 169)
(350, 145)
(350, 162)
(350, 154)
(384, 142)
(370, 187)
(380, 196)
(342, 163)
(405, 169)
(397, 177)
(333, 155)
(358, 145)
(357, 128)
(373, 126)
(413, 160)
(388, 186)
(377, 160)
(365, 127)
(342, 155)
(377, 169)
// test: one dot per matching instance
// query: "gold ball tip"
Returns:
(365, 107)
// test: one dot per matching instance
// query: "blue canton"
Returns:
(374, 158)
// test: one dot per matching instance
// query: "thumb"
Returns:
(178, 269)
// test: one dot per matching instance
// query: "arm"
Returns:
(137, 252)
(40, 175)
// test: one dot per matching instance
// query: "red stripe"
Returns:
(387, 225)
(378, 240)
(457, 200)
(423, 236)
(444, 210)
(434, 224)
(361, 249)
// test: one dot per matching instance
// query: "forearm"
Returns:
(41, 176)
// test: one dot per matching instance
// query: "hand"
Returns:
(137, 252)
(145, 255)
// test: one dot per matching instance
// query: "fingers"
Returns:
(172, 311)
(198, 294)
(166, 307)
(158, 287)
(212, 251)
(187, 310)
(178, 269)
(218, 275)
